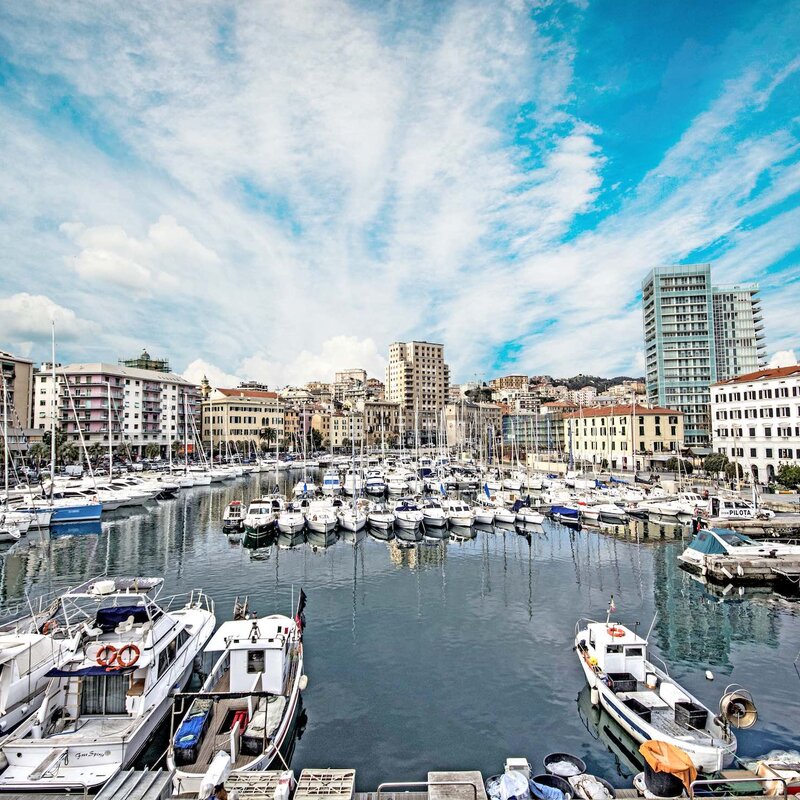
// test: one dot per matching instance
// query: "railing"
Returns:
(726, 781)
(427, 784)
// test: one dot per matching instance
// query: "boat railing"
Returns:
(721, 782)
(409, 784)
(194, 598)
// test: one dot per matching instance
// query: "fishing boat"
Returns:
(105, 700)
(233, 516)
(649, 704)
(244, 714)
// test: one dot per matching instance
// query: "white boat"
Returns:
(485, 513)
(504, 515)
(644, 700)
(331, 482)
(459, 513)
(736, 508)
(353, 517)
(353, 482)
(262, 514)
(407, 513)
(320, 516)
(611, 513)
(292, 519)
(106, 699)
(712, 543)
(528, 516)
(433, 514)
(381, 517)
(9, 531)
(374, 482)
(304, 488)
(246, 709)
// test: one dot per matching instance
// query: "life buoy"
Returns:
(617, 633)
(134, 657)
(50, 626)
(106, 655)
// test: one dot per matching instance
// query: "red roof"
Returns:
(763, 374)
(254, 393)
(623, 411)
(560, 404)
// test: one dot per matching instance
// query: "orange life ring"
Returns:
(617, 633)
(106, 655)
(49, 626)
(128, 662)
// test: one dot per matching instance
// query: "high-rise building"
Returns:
(17, 374)
(417, 378)
(694, 333)
(738, 331)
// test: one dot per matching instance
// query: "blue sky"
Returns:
(275, 190)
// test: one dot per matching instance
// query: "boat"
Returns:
(433, 514)
(245, 711)
(292, 519)
(105, 700)
(526, 515)
(709, 544)
(645, 701)
(353, 517)
(9, 531)
(565, 514)
(611, 513)
(380, 517)
(321, 517)
(726, 508)
(262, 514)
(331, 482)
(233, 517)
(459, 513)
(484, 513)
(374, 482)
(353, 482)
(407, 513)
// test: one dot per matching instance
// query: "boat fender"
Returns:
(303, 682)
(709, 675)
(595, 696)
(218, 770)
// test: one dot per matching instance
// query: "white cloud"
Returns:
(783, 358)
(199, 369)
(27, 318)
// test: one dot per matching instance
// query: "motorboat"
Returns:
(304, 488)
(374, 482)
(331, 482)
(485, 513)
(234, 515)
(105, 700)
(565, 514)
(262, 514)
(710, 544)
(353, 517)
(353, 482)
(646, 702)
(525, 515)
(380, 517)
(433, 514)
(407, 513)
(722, 507)
(292, 519)
(459, 513)
(320, 516)
(503, 515)
(246, 709)
(611, 513)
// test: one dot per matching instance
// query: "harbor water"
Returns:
(454, 653)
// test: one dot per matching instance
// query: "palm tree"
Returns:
(38, 453)
(68, 453)
(152, 450)
(96, 451)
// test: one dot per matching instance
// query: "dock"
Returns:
(723, 569)
(781, 528)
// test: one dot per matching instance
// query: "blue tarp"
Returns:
(108, 618)
(98, 670)
(191, 729)
(543, 792)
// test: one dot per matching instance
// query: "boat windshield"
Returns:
(735, 539)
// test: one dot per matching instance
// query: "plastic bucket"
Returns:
(662, 784)
(564, 786)
(554, 758)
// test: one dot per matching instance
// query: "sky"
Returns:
(274, 190)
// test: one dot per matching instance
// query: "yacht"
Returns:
(713, 543)
(261, 516)
(380, 517)
(331, 482)
(374, 482)
(459, 513)
(353, 482)
(105, 700)
(245, 711)
(433, 515)
(407, 513)
(320, 516)
(643, 698)
(292, 518)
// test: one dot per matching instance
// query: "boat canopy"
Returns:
(242, 634)
(716, 542)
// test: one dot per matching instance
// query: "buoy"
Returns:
(709, 675)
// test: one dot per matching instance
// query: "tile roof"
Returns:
(252, 393)
(762, 375)
(623, 411)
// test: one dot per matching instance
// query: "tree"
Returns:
(68, 453)
(734, 471)
(676, 464)
(269, 435)
(315, 439)
(38, 453)
(346, 443)
(715, 462)
(152, 450)
(96, 452)
(789, 475)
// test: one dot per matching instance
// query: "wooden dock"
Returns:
(723, 569)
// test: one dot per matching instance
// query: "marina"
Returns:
(399, 625)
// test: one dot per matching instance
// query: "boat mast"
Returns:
(185, 434)
(110, 448)
(54, 410)
(5, 438)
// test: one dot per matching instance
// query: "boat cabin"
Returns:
(731, 508)
(618, 651)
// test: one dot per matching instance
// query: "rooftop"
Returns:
(763, 375)
(624, 411)
(254, 394)
(100, 368)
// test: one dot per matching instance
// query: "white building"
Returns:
(756, 420)
(124, 406)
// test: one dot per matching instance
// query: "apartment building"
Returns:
(518, 382)
(417, 378)
(472, 424)
(16, 388)
(346, 429)
(381, 421)
(626, 437)
(694, 335)
(243, 415)
(124, 406)
(756, 420)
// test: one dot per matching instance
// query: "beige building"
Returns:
(417, 378)
(381, 421)
(470, 424)
(518, 382)
(346, 428)
(18, 376)
(625, 437)
(243, 415)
